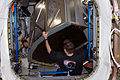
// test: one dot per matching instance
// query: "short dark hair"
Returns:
(68, 45)
(24, 41)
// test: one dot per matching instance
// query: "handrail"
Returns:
(89, 25)
(16, 41)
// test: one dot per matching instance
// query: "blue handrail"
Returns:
(16, 41)
(55, 72)
(89, 24)
(52, 72)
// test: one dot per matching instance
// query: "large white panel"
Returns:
(7, 73)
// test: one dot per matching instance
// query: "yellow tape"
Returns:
(118, 56)
(116, 17)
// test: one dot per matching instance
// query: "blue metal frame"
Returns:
(52, 72)
(11, 31)
(25, 29)
(16, 41)
(89, 24)
(94, 27)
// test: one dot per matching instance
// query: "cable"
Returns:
(117, 64)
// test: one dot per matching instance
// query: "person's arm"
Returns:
(45, 35)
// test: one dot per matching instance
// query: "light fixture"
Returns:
(57, 21)
(42, 6)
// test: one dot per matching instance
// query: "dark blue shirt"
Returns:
(74, 62)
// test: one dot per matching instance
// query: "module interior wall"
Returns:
(104, 65)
